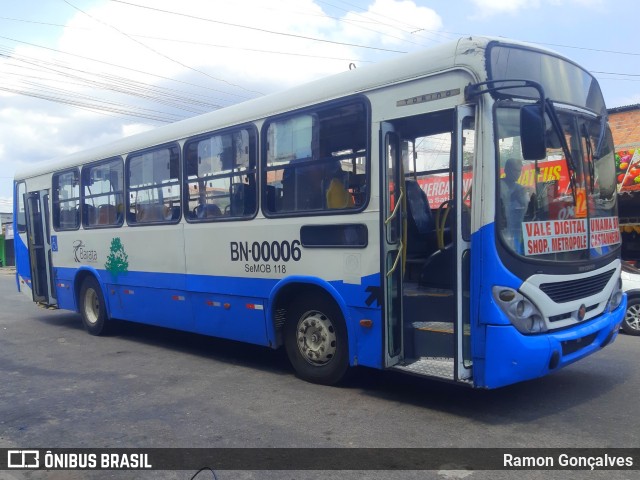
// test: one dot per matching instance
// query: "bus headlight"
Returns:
(616, 296)
(522, 313)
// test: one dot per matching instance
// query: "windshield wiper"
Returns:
(590, 159)
(571, 165)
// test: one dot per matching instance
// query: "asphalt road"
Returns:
(152, 387)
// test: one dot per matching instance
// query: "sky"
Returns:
(75, 74)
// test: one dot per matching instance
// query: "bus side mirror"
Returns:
(532, 132)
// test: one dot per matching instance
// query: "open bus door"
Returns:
(427, 287)
(391, 242)
(39, 243)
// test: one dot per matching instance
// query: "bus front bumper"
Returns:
(512, 357)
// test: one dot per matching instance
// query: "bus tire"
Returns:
(631, 322)
(92, 307)
(316, 340)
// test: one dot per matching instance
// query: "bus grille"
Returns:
(561, 292)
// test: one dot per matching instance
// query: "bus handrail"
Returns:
(395, 209)
(398, 257)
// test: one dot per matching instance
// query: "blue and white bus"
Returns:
(451, 214)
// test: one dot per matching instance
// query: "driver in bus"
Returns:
(514, 200)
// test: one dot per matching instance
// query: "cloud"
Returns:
(391, 23)
(127, 69)
(488, 8)
(491, 7)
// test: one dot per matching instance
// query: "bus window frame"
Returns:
(20, 227)
(311, 110)
(88, 166)
(251, 128)
(128, 191)
(55, 201)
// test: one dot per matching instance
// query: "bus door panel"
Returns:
(392, 213)
(20, 241)
(39, 241)
(465, 149)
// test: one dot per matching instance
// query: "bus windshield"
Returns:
(558, 208)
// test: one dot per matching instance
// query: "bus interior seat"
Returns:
(69, 218)
(106, 214)
(89, 212)
(358, 185)
(302, 188)
(152, 212)
(274, 200)
(243, 199)
(420, 223)
(439, 269)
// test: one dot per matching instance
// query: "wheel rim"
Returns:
(632, 317)
(91, 306)
(316, 338)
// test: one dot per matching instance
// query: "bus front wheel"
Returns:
(316, 340)
(92, 307)
(631, 322)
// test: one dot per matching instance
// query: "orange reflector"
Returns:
(227, 306)
(366, 323)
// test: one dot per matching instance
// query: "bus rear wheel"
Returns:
(316, 340)
(92, 307)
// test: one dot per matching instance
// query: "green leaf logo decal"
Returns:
(118, 260)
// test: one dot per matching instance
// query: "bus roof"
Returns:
(413, 65)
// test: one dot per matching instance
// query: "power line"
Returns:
(620, 74)
(118, 66)
(105, 81)
(413, 28)
(110, 82)
(258, 50)
(160, 53)
(274, 52)
(259, 29)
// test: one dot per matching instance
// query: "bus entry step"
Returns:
(433, 339)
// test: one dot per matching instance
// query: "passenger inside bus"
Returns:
(514, 200)
(337, 196)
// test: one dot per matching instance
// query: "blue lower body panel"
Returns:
(225, 307)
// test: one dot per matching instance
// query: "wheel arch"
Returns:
(81, 274)
(632, 294)
(284, 293)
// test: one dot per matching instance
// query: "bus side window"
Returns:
(153, 180)
(317, 159)
(220, 175)
(66, 200)
(103, 185)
